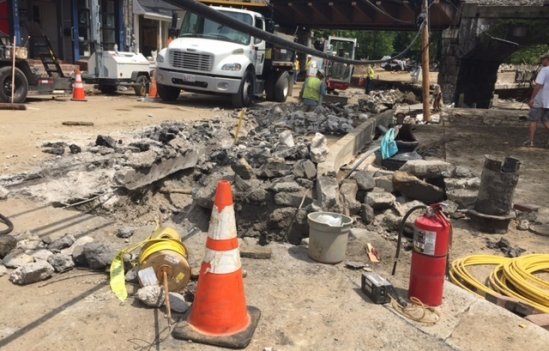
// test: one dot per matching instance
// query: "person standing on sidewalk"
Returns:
(312, 92)
(539, 101)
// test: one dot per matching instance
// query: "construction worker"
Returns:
(370, 76)
(310, 66)
(297, 67)
(312, 92)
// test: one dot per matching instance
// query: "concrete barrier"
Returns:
(344, 150)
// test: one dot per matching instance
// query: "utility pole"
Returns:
(425, 63)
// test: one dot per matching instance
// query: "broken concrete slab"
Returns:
(292, 199)
(366, 213)
(77, 245)
(348, 191)
(133, 179)
(7, 243)
(360, 234)
(364, 180)
(305, 169)
(98, 255)
(256, 252)
(416, 189)
(141, 159)
(40, 254)
(380, 200)
(274, 167)
(385, 183)
(61, 243)
(319, 148)
(463, 197)
(327, 193)
(4, 193)
(17, 258)
(31, 273)
(61, 263)
(151, 296)
(291, 186)
(427, 168)
(243, 169)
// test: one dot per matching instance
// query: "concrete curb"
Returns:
(343, 151)
(464, 117)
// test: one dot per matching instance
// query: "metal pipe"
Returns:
(425, 63)
(13, 70)
(217, 16)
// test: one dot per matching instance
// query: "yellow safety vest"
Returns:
(311, 90)
(296, 65)
(371, 73)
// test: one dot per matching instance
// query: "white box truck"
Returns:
(208, 57)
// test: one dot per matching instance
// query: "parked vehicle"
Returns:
(209, 57)
(26, 80)
(111, 69)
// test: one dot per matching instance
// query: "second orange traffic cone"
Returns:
(78, 93)
(153, 90)
(219, 315)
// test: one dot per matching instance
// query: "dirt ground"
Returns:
(305, 305)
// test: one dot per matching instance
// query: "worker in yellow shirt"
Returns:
(312, 92)
(370, 76)
(297, 68)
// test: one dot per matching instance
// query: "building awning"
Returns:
(154, 9)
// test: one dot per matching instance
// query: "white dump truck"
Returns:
(208, 57)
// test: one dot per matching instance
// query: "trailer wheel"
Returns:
(244, 97)
(21, 85)
(283, 87)
(168, 93)
(141, 84)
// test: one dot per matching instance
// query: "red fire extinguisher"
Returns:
(432, 240)
(431, 245)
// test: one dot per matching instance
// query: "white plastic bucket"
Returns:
(328, 237)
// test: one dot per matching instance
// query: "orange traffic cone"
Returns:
(153, 91)
(78, 93)
(219, 315)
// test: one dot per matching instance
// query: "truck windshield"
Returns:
(198, 26)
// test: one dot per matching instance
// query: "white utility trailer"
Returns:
(110, 69)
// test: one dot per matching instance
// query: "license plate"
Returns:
(188, 78)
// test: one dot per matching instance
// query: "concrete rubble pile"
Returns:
(31, 258)
(333, 119)
(381, 100)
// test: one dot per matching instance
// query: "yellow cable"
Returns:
(511, 277)
(164, 244)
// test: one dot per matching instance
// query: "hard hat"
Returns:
(309, 56)
(320, 72)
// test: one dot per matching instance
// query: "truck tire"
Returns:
(283, 87)
(269, 87)
(21, 85)
(141, 84)
(244, 97)
(168, 93)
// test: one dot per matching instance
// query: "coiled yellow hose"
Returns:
(511, 277)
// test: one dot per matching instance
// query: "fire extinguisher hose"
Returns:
(514, 278)
(400, 232)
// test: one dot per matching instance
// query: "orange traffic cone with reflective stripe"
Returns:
(153, 90)
(219, 315)
(78, 93)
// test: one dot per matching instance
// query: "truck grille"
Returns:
(191, 60)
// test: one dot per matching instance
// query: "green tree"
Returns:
(529, 55)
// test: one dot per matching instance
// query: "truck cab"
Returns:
(209, 57)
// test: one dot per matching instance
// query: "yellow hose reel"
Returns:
(164, 252)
